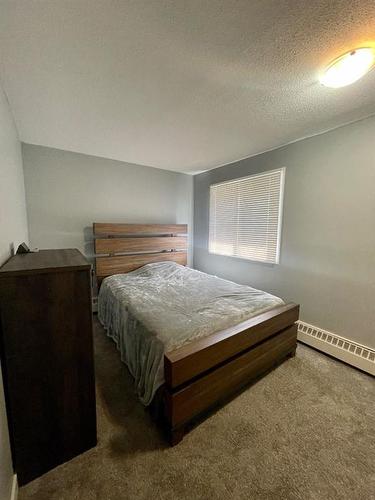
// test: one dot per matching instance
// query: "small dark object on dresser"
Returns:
(23, 248)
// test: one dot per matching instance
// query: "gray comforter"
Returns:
(162, 306)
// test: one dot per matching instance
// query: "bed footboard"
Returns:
(203, 373)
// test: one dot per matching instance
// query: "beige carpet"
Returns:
(305, 431)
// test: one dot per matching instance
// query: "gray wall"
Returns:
(13, 226)
(328, 238)
(66, 192)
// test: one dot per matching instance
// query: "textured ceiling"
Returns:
(184, 85)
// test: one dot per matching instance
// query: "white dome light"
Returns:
(349, 68)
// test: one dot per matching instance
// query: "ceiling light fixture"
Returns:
(349, 67)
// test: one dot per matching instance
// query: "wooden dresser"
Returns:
(47, 358)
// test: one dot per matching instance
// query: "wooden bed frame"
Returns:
(209, 370)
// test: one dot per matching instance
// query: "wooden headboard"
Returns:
(121, 248)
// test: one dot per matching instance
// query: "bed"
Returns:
(190, 340)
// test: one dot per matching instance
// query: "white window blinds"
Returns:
(245, 216)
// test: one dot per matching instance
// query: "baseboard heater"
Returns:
(355, 354)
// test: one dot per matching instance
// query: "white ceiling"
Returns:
(184, 85)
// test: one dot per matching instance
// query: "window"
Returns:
(245, 217)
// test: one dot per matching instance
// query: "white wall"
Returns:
(327, 259)
(66, 192)
(13, 231)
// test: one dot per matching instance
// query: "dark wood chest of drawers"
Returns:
(47, 358)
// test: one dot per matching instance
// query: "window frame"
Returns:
(282, 170)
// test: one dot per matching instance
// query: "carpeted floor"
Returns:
(305, 431)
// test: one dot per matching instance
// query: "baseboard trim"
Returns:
(346, 350)
(14, 494)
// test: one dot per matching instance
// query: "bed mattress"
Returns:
(162, 306)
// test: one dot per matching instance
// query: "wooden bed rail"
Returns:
(197, 357)
(196, 397)
(207, 371)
